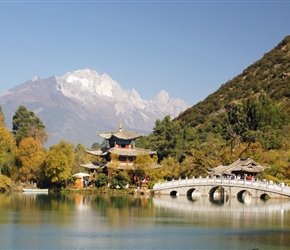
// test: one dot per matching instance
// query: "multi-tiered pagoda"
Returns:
(121, 143)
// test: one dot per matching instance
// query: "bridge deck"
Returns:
(266, 186)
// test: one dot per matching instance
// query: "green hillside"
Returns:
(249, 116)
(271, 74)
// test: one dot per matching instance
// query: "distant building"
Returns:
(241, 167)
(121, 143)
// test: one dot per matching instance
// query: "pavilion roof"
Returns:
(245, 165)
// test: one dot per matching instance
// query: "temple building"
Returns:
(121, 144)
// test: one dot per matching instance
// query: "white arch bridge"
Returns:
(223, 188)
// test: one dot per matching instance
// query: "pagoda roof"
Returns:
(123, 151)
(134, 166)
(131, 151)
(121, 165)
(245, 165)
(120, 134)
(91, 166)
(98, 152)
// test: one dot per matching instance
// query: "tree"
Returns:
(195, 164)
(58, 162)
(167, 139)
(27, 124)
(8, 152)
(80, 157)
(144, 165)
(96, 145)
(31, 156)
(170, 169)
(2, 118)
(5, 183)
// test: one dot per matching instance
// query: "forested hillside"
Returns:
(271, 74)
(246, 117)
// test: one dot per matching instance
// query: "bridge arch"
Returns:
(265, 196)
(219, 193)
(244, 196)
(174, 193)
(191, 192)
(242, 193)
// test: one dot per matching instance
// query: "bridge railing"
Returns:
(266, 185)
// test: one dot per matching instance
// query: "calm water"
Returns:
(29, 221)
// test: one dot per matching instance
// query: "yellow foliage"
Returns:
(170, 168)
(31, 156)
(59, 162)
(8, 150)
(5, 183)
(113, 165)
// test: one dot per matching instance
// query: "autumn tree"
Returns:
(8, 149)
(31, 156)
(113, 164)
(195, 164)
(144, 165)
(170, 169)
(26, 124)
(5, 183)
(58, 162)
(2, 118)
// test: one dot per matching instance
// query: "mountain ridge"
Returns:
(82, 103)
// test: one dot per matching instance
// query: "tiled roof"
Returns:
(120, 134)
(91, 166)
(121, 165)
(131, 151)
(97, 152)
(245, 165)
(123, 151)
(133, 166)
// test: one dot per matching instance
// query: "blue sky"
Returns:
(188, 48)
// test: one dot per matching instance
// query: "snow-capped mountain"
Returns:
(78, 105)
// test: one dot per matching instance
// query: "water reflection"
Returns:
(77, 221)
(236, 211)
(128, 204)
(247, 203)
(125, 205)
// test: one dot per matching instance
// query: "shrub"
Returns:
(120, 179)
(102, 180)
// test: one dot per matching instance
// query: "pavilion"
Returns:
(120, 143)
(241, 167)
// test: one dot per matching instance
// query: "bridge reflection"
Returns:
(207, 204)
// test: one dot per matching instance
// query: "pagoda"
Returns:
(121, 143)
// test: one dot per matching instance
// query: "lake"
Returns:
(76, 221)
